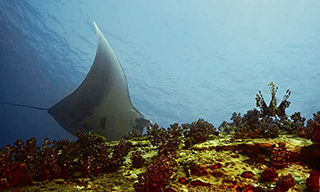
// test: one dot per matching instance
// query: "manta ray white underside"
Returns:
(101, 104)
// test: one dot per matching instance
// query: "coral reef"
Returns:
(312, 129)
(89, 155)
(137, 159)
(311, 155)
(157, 176)
(313, 181)
(251, 125)
(198, 131)
(219, 164)
(166, 140)
(285, 183)
(271, 120)
(276, 155)
(259, 151)
(270, 174)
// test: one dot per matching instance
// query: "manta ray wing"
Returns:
(101, 104)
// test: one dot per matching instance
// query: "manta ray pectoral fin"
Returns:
(101, 104)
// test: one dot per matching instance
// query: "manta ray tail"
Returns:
(21, 105)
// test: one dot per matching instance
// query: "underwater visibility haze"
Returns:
(175, 70)
(183, 60)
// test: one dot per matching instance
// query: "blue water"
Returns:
(183, 59)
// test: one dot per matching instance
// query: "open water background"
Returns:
(183, 59)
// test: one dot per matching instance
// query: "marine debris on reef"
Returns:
(256, 152)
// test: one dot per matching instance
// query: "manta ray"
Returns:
(101, 104)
